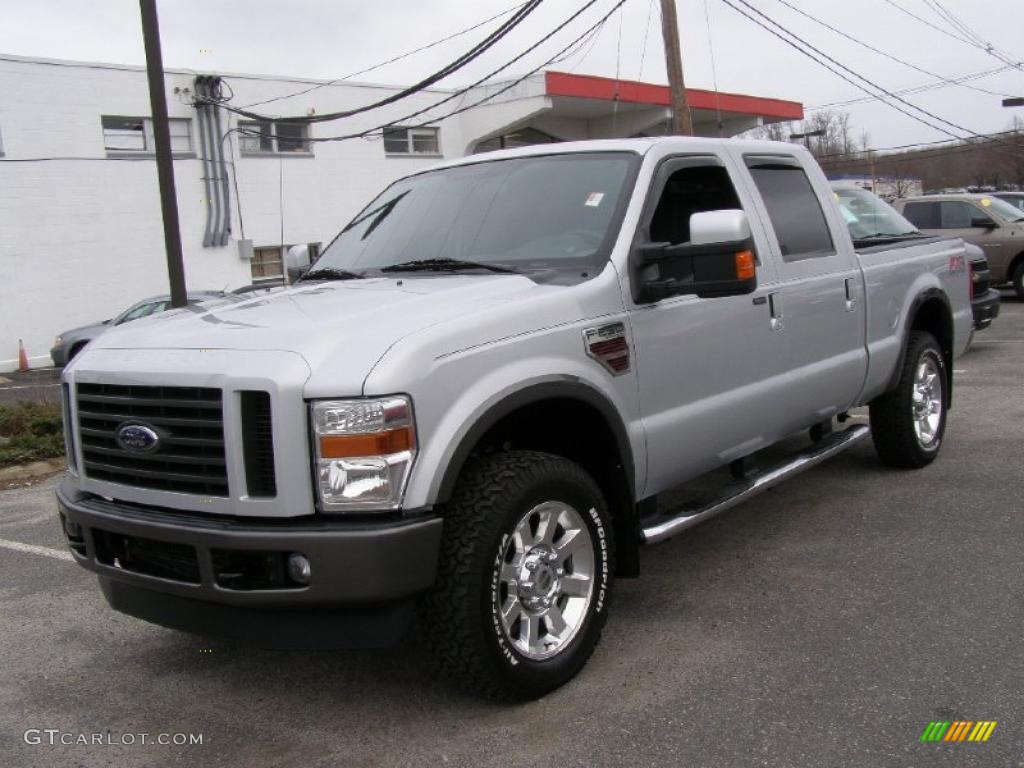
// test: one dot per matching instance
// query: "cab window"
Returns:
(794, 209)
(690, 190)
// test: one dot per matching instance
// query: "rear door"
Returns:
(819, 290)
(708, 369)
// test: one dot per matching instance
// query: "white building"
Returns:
(81, 233)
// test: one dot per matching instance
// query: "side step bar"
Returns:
(672, 522)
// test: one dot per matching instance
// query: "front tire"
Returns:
(908, 423)
(524, 577)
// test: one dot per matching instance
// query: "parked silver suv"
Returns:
(994, 225)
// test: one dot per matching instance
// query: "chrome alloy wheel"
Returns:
(546, 580)
(926, 401)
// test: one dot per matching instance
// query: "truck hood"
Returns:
(353, 322)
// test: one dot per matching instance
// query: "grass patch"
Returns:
(30, 432)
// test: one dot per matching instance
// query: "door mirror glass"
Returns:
(718, 260)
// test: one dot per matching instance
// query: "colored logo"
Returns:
(137, 438)
(959, 730)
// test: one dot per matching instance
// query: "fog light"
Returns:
(299, 569)
(72, 529)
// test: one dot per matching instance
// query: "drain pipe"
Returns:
(202, 119)
(225, 196)
(211, 140)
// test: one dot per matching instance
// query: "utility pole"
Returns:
(164, 165)
(682, 121)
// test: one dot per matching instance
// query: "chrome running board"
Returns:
(670, 523)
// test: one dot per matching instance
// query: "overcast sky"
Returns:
(331, 38)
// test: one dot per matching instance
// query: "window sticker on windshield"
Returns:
(986, 202)
(594, 199)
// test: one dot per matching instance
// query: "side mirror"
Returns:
(717, 261)
(982, 222)
(296, 261)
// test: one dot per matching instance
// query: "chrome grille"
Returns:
(188, 420)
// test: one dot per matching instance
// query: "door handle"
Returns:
(851, 295)
(775, 307)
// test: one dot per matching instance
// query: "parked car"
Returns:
(985, 300)
(989, 222)
(1013, 198)
(475, 398)
(70, 343)
(871, 219)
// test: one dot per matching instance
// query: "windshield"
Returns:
(522, 214)
(1004, 210)
(868, 216)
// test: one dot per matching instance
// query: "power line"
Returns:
(403, 122)
(960, 26)
(966, 41)
(833, 70)
(923, 144)
(392, 60)
(884, 53)
(476, 51)
(915, 89)
(852, 72)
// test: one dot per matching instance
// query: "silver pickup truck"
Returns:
(470, 404)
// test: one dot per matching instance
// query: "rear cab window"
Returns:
(793, 207)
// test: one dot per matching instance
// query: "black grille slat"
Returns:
(258, 444)
(149, 458)
(189, 420)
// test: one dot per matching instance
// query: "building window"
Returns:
(411, 141)
(264, 137)
(268, 264)
(134, 135)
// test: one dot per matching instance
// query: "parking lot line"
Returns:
(32, 549)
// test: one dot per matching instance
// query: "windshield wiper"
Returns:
(446, 265)
(330, 273)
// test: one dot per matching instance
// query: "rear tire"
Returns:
(908, 423)
(524, 578)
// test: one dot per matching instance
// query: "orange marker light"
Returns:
(745, 265)
(371, 444)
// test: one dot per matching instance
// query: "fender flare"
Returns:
(915, 306)
(569, 389)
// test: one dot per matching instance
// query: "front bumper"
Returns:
(985, 309)
(363, 574)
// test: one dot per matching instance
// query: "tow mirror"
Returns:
(718, 260)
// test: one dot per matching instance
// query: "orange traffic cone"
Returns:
(22, 357)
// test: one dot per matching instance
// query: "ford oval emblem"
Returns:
(137, 438)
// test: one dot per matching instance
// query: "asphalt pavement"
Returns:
(825, 623)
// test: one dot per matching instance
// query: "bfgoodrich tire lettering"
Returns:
(470, 617)
(908, 423)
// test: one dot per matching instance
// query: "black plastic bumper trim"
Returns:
(356, 563)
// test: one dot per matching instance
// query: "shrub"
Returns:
(31, 431)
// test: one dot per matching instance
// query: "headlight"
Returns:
(364, 452)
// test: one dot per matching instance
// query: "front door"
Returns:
(709, 370)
